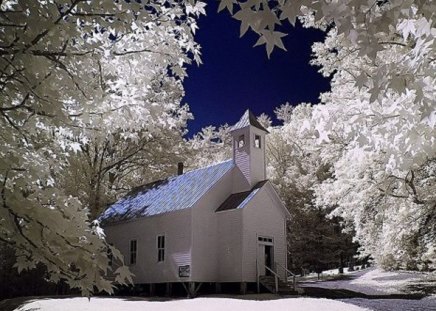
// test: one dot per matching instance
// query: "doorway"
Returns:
(268, 258)
(265, 255)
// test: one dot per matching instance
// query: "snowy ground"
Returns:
(385, 291)
(377, 282)
(396, 282)
(329, 273)
(198, 304)
(380, 290)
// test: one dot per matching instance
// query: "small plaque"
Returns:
(185, 271)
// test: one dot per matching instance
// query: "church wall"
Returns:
(176, 226)
(263, 216)
(205, 231)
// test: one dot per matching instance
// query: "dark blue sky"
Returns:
(235, 75)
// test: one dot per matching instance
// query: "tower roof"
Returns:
(247, 119)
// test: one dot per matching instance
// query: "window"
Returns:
(133, 252)
(160, 248)
(241, 141)
(257, 142)
(263, 239)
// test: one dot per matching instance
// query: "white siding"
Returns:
(263, 216)
(249, 159)
(239, 182)
(241, 156)
(219, 247)
(176, 226)
(205, 252)
(230, 245)
(257, 157)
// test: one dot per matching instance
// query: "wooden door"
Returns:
(261, 259)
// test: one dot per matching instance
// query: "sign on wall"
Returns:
(185, 271)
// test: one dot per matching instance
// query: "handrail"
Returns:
(276, 278)
(284, 268)
(294, 280)
(272, 271)
(257, 277)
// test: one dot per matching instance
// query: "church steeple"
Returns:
(248, 118)
(249, 147)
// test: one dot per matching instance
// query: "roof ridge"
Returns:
(240, 199)
(204, 167)
(247, 119)
(171, 194)
(158, 182)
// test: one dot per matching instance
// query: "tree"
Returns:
(366, 28)
(26, 283)
(296, 167)
(376, 127)
(382, 155)
(69, 69)
(209, 146)
(108, 166)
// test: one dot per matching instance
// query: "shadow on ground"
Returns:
(428, 287)
(318, 292)
(14, 303)
(335, 277)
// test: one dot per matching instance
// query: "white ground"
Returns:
(327, 273)
(371, 281)
(374, 281)
(394, 282)
(198, 304)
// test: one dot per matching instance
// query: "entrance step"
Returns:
(268, 282)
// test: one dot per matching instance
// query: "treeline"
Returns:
(33, 282)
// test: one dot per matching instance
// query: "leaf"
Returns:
(291, 10)
(406, 28)
(123, 275)
(271, 39)
(267, 19)
(361, 80)
(398, 83)
(226, 4)
(248, 19)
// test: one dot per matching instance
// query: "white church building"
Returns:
(219, 224)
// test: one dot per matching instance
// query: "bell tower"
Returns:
(249, 147)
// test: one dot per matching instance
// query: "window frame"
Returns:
(241, 139)
(259, 140)
(133, 251)
(160, 245)
(265, 239)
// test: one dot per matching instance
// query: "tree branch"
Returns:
(20, 105)
(139, 51)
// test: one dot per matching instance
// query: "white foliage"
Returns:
(209, 146)
(73, 72)
(367, 28)
(383, 151)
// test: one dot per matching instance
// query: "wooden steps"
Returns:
(268, 281)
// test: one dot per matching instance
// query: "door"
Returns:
(261, 259)
(268, 254)
(265, 255)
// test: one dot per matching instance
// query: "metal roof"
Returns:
(239, 200)
(172, 194)
(248, 118)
